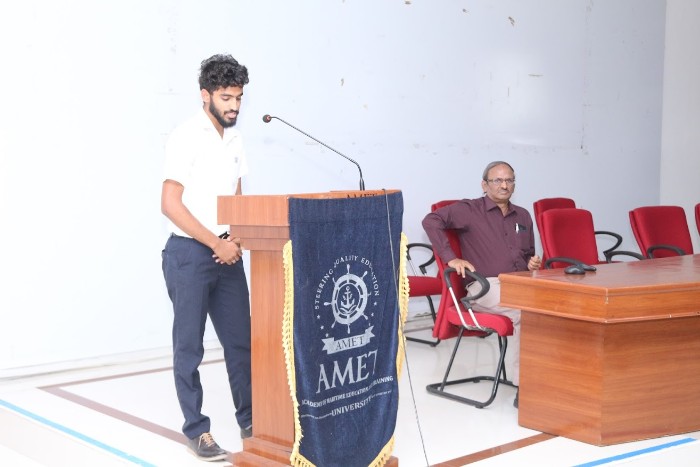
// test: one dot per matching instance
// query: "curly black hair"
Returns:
(220, 71)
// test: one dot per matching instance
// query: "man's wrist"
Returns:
(214, 242)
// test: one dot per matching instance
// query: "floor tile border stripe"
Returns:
(495, 451)
(118, 414)
(58, 391)
(121, 375)
(639, 452)
(75, 434)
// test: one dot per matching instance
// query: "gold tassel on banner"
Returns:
(403, 301)
(296, 459)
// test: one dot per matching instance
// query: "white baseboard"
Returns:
(151, 357)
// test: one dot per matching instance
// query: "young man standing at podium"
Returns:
(204, 158)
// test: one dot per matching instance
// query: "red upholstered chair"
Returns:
(661, 231)
(421, 283)
(442, 203)
(546, 204)
(568, 238)
(697, 216)
(424, 285)
(455, 320)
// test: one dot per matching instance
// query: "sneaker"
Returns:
(205, 448)
(247, 432)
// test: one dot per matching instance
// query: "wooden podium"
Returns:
(261, 222)
(611, 356)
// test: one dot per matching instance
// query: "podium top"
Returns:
(262, 222)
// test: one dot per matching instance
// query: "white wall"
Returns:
(423, 94)
(680, 157)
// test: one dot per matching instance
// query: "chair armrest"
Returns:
(423, 267)
(466, 300)
(485, 284)
(653, 248)
(560, 259)
(610, 254)
(617, 237)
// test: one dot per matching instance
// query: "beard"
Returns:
(219, 116)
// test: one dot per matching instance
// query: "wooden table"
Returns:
(612, 356)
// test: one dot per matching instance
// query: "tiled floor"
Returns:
(127, 414)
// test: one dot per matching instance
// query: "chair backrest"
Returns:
(545, 204)
(442, 204)
(443, 329)
(568, 232)
(661, 225)
(697, 216)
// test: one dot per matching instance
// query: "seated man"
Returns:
(496, 236)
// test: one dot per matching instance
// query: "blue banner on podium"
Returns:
(345, 299)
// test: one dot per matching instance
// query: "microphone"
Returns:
(268, 118)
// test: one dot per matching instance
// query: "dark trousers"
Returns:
(199, 286)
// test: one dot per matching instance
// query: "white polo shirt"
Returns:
(206, 164)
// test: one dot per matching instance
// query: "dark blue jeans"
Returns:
(199, 286)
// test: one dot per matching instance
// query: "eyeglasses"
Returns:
(499, 181)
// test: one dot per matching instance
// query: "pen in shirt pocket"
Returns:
(519, 228)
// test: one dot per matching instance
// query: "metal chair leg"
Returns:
(499, 377)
